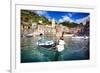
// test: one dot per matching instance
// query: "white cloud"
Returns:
(70, 14)
(60, 20)
(65, 18)
(40, 12)
(44, 13)
(83, 20)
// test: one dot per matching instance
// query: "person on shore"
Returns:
(41, 36)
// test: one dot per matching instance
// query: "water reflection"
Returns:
(75, 49)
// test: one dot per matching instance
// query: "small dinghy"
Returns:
(45, 43)
(29, 35)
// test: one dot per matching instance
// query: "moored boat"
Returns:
(45, 43)
(79, 37)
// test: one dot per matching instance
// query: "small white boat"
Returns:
(45, 43)
(68, 35)
(29, 35)
(79, 37)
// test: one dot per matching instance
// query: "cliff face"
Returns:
(27, 18)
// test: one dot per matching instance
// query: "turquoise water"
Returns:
(75, 49)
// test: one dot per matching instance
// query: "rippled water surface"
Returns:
(75, 49)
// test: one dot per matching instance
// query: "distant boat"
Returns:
(29, 35)
(32, 34)
(79, 37)
(68, 35)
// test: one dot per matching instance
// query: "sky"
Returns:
(59, 17)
